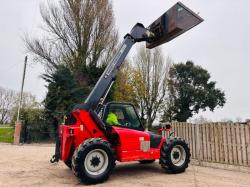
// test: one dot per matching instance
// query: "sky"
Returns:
(221, 44)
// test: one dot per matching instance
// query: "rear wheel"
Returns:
(93, 161)
(146, 161)
(175, 155)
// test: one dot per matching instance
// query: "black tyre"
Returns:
(175, 155)
(146, 161)
(93, 161)
(68, 163)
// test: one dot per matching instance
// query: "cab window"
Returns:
(126, 115)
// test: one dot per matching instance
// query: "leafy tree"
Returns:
(34, 128)
(32, 117)
(123, 88)
(63, 94)
(190, 91)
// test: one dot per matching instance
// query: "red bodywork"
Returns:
(128, 147)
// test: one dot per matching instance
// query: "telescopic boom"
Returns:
(174, 22)
(138, 34)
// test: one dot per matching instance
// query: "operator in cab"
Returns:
(112, 118)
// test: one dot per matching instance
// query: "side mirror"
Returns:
(172, 23)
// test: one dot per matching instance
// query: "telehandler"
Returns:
(90, 146)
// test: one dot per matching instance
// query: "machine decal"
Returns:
(141, 138)
(145, 146)
(81, 127)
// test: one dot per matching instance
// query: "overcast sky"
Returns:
(221, 44)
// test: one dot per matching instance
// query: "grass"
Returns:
(6, 134)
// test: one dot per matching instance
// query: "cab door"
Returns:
(126, 115)
(133, 142)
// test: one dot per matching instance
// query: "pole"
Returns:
(21, 93)
(18, 126)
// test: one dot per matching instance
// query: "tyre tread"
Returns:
(165, 157)
(77, 164)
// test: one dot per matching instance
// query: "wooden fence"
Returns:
(226, 143)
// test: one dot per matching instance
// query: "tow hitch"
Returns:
(56, 156)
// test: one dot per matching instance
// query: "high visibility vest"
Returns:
(112, 119)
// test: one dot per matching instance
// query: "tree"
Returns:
(7, 102)
(63, 93)
(34, 127)
(190, 91)
(200, 120)
(150, 83)
(28, 101)
(238, 120)
(123, 87)
(227, 120)
(79, 39)
(145, 84)
(31, 115)
(79, 34)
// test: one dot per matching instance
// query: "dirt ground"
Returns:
(28, 165)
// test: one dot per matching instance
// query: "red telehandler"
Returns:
(90, 146)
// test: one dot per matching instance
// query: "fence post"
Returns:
(198, 142)
(243, 143)
(248, 142)
(204, 142)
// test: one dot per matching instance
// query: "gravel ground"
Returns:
(28, 165)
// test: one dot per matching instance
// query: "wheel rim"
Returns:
(178, 155)
(96, 162)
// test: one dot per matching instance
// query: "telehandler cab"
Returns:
(90, 146)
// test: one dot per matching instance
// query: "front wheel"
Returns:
(68, 163)
(175, 155)
(93, 161)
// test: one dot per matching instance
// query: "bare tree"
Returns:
(144, 84)
(77, 33)
(150, 83)
(7, 101)
(28, 101)
(200, 120)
